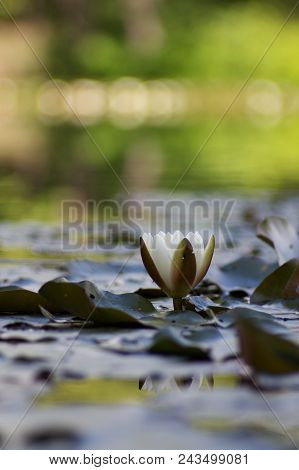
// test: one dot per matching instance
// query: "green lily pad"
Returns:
(282, 285)
(228, 318)
(208, 339)
(200, 303)
(14, 299)
(264, 319)
(84, 300)
(171, 342)
(184, 319)
(264, 351)
(280, 235)
(176, 318)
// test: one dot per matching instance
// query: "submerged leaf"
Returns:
(280, 285)
(264, 351)
(280, 235)
(84, 300)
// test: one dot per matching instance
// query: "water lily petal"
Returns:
(183, 271)
(176, 263)
(162, 257)
(176, 238)
(198, 248)
(146, 242)
(206, 260)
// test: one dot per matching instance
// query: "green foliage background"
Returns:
(213, 46)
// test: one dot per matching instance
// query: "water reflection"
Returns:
(127, 102)
(109, 390)
(158, 384)
(93, 390)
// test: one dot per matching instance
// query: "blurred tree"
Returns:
(212, 44)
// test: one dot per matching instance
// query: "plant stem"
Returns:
(177, 304)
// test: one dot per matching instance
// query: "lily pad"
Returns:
(222, 344)
(280, 235)
(282, 285)
(171, 342)
(264, 351)
(184, 319)
(84, 300)
(216, 344)
(14, 299)
(228, 318)
(200, 303)
(178, 318)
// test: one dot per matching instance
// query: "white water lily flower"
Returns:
(176, 262)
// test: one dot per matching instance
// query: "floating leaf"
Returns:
(218, 345)
(200, 303)
(280, 235)
(177, 318)
(14, 299)
(62, 322)
(280, 285)
(228, 318)
(171, 342)
(221, 343)
(209, 339)
(264, 351)
(184, 319)
(84, 300)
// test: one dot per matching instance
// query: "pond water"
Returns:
(98, 387)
